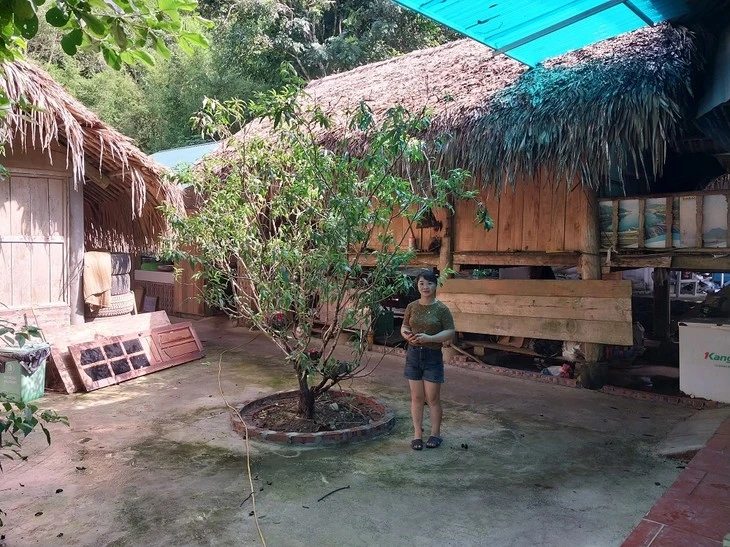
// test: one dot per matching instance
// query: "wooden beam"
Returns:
(661, 303)
(669, 219)
(642, 261)
(614, 224)
(97, 177)
(502, 347)
(539, 287)
(589, 267)
(75, 265)
(426, 260)
(519, 258)
(700, 203)
(642, 219)
(727, 221)
(702, 263)
(446, 252)
(586, 308)
(604, 332)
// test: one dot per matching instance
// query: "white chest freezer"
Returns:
(704, 359)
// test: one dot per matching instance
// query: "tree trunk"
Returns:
(306, 399)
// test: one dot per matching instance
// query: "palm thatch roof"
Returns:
(120, 206)
(615, 103)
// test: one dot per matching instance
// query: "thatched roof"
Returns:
(574, 115)
(121, 206)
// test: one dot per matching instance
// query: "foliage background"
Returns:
(249, 40)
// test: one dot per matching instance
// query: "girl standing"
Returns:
(427, 324)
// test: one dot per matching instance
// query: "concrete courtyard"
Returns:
(154, 461)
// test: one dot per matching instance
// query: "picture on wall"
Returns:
(628, 224)
(655, 223)
(714, 221)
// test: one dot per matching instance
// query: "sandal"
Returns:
(433, 441)
(417, 444)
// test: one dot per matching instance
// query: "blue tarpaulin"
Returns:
(534, 30)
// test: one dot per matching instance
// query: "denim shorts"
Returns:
(424, 364)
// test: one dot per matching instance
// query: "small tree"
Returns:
(286, 225)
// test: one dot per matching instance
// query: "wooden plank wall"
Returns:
(187, 290)
(45, 317)
(537, 215)
(33, 240)
(401, 232)
(570, 310)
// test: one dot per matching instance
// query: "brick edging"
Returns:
(329, 438)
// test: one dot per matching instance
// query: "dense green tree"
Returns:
(249, 42)
(122, 31)
(298, 218)
(318, 37)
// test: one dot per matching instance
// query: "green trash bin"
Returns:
(23, 371)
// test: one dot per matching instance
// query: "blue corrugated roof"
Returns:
(185, 156)
(534, 30)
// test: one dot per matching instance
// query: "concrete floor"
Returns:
(154, 461)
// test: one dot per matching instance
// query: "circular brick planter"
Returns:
(322, 438)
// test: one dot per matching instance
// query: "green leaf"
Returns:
(128, 58)
(143, 56)
(196, 39)
(96, 26)
(57, 17)
(120, 37)
(23, 9)
(186, 47)
(71, 41)
(111, 57)
(160, 46)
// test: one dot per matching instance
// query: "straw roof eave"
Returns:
(579, 116)
(122, 214)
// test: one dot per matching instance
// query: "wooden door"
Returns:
(33, 240)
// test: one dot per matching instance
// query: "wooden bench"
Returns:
(569, 310)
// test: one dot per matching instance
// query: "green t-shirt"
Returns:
(430, 319)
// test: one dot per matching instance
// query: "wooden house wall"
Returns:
(34, 236)
(535, 215)
(402, 233)
(187, 291)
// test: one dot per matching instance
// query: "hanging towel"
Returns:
(97, 279)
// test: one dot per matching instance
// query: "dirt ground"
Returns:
(154, 461)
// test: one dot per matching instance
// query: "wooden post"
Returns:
(589, 262)
(446, 260)
(446, 253)
(76, 253)
(661, 303)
